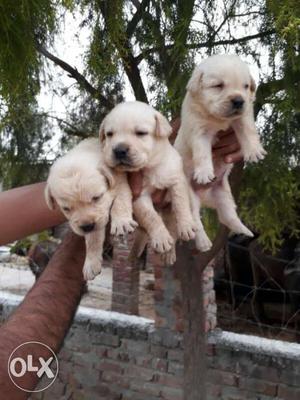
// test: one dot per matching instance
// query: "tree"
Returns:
(155, 44)
(24, 157)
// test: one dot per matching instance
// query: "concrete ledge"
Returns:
(255, 344)
(84, 315)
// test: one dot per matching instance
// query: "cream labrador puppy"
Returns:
(134, 137)
(220, 94)
(87, 192)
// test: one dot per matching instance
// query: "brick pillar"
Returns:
(126, 278)
(168, 296)
(209, 298)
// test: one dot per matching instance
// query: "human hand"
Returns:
(135, 180)
(226, 149)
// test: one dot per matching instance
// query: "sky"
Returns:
(70, 45)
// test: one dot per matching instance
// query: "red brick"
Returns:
(169, 380)
(107, 365)
(222, 377)
(258, 386)
(288, 393)
(159, 364)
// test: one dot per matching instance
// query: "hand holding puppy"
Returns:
(226, 149)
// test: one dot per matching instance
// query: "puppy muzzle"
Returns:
(86, 228)
(121, 152)
(235, 107)
(121, 156)
(237, 103)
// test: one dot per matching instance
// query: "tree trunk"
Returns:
(189, 267)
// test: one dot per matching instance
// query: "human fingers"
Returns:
(135, 180)
(226, 150)
(224, 133)
(159, 198)
(233, 157)
(225, 140)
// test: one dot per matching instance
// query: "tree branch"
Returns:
(125, 51)
(73, 72)
(136, 18)
(271, 87)
(136, 3)
(265, 90)
(194, 46)
(71, 129)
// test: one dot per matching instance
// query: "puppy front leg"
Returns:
(94, 248)
(121, 211)
(150, 220)
(202, 241)
(186, 226)
(249, 140)
(169, 258)
(202, 158)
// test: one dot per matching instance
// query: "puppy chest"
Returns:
(157, 180)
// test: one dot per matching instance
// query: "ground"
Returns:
(16, 278)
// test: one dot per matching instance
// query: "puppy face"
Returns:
(82, 195)
(130, 135)
(223, 86)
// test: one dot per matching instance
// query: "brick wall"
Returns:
(109, 356)
(249, 367)
(113, 356)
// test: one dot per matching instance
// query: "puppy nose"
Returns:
(87, 227)
(237, 102)
(121, 151)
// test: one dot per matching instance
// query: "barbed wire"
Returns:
(244, 298)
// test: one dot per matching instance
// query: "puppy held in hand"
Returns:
(134, 137)
(220, 94)
(87, 192)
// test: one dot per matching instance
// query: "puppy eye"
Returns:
(141, 133)
(96, 198)
(219, 86)
(109, 134)
(246, 86)
(67, 209)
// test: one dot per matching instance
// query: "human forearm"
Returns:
(23, 211)
(46, 312)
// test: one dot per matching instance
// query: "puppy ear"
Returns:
(101, 132)
(163, 128)
(252, 84)
(193, 84)
(49, 198)
(107, 173)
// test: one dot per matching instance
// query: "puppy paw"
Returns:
(204, 175)
(238, 227)
(254, 155)
(169, 258)
(122, 226)
(162, 242)
(91, 269)
(187, 230)
(247, 232)
(202, 241)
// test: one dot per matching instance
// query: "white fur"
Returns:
(160, 163)
(207, 108)
(86, 190)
